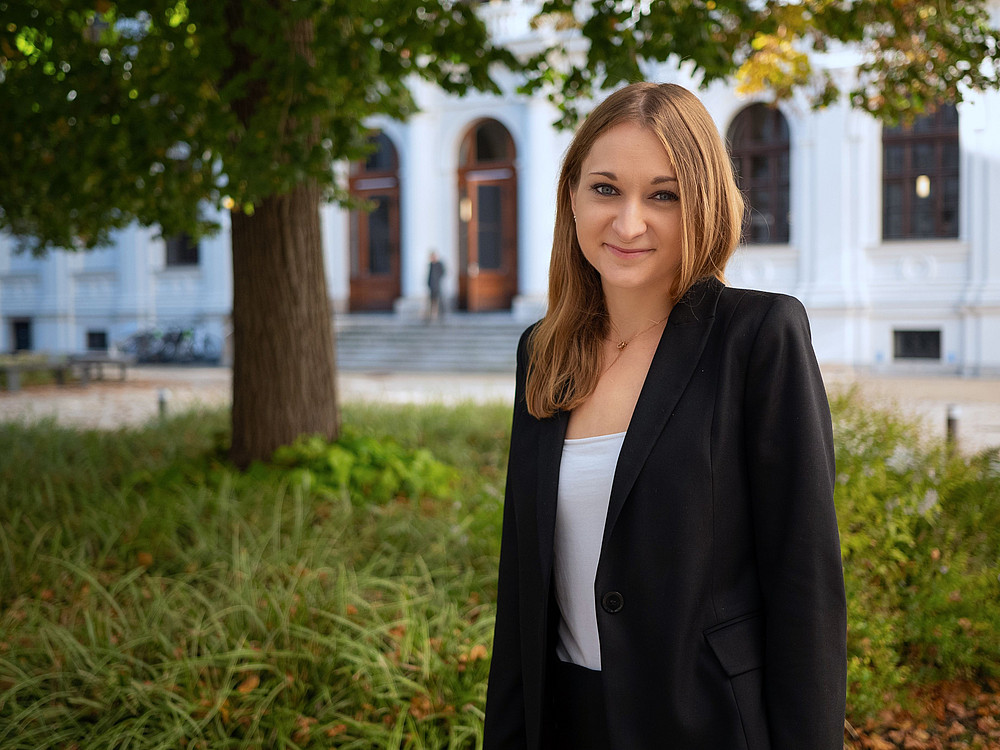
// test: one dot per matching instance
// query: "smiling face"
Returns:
(628, 212)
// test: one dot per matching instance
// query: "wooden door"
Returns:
(375, 230)
(487, 213)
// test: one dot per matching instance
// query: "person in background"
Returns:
(670, 571)
(435, 273)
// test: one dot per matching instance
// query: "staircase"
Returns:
(462, 342)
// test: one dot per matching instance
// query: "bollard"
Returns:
(162, 397)
(951, 425)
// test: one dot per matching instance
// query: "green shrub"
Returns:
(375, 470)
(920, 538)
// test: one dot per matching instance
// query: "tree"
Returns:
(115, 112)
(142, 110)
(914, 54)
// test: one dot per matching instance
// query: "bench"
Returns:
(14, 369)
(86, 367)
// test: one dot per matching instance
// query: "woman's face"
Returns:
(628, 211)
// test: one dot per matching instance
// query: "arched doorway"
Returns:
(487, 218)
(375, 243)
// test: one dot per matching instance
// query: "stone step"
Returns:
(460, 343)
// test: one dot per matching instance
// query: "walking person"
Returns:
(670, 572)
(435, 273)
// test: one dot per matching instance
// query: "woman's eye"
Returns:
(605, 190)
(665, 195)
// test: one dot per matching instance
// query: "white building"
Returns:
(891, 238)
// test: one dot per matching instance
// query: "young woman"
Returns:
(670, 571)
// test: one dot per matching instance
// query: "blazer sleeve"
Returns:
(789, 443)
(505, 723)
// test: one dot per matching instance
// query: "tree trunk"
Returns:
(283, 352)
(283, 360)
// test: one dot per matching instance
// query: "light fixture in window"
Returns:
(923, 186)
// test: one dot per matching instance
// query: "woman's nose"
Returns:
(629, 223)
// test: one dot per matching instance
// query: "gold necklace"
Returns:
(625, 342)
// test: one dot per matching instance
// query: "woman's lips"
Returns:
(624, 252)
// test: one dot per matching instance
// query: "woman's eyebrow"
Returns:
(654, 181)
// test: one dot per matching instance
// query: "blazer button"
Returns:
(612, 602)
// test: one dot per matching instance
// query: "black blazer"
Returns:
(719, 592)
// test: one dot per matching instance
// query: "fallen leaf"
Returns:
(336, 729)
(249, 684)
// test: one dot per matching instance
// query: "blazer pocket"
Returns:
(738, 644)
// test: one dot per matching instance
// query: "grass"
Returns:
(151, 597)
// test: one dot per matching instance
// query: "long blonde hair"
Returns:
(565, 361)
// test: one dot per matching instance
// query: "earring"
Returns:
(574, 217)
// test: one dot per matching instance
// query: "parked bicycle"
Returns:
(172, 345)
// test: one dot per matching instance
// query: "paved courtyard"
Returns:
(110, 404)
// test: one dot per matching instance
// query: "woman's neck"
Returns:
(630, 311)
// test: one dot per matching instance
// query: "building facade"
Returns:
(890, 237)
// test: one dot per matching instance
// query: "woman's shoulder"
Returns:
(757, 304)
(525, 341)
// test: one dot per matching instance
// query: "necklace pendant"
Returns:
(622, 345)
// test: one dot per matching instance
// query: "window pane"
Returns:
(355, 243)
(949, 155)
(22, 335)
(760, 168)
(182, 251)
(490, 236)
(738, 168)
(892, 160)
(949, 207)
(379, 237)
(948, 117)
(383, 159)
(779, 231)
(892, 210)
(916, 344)
(97, 341)
(492, 142)
(760, 230)
(760, 200)
(923, 157)
(923, 217)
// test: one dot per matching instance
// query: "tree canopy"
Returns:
(130, 111)
(913, 54)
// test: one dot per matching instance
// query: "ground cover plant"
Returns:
(342, 595)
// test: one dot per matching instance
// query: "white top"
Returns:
(585, 476)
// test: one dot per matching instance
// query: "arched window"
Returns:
(758, 142)
(375, 235)
(920, 177)
(487, 213)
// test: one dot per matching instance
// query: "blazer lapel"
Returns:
(674, 362)
(551, 434)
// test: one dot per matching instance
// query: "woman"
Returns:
(670, 571)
